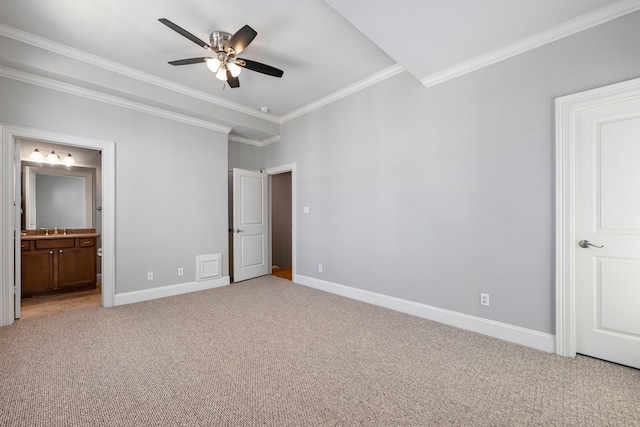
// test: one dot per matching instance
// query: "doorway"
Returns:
(281, 208)
(55, 195)
(598, 231)
(10, 214)
(238, 227)
(282, 201)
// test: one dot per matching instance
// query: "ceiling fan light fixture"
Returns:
(224, 46)
(213, 64)
(222, 74)
(234, 69)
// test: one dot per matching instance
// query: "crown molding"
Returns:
(243, 140)
(254, 142)
(581, 23)
(61, 49)
(108, 99)
(558, 32)
(51, 46)
(371, 80)
(269, 141)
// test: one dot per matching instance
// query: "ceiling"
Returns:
(322, 46)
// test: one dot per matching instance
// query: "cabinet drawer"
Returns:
(87, 242)
(55, 243)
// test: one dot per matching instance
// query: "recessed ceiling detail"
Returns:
(116, 50)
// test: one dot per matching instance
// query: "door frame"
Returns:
(567, 107)
(9, 135)
(290, 167)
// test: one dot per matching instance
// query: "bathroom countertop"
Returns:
(79, 233)
(58, 236)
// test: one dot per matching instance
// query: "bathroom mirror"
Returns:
(57, 196)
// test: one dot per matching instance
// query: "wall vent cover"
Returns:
(208, 267)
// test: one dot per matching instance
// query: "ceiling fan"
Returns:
(224, 48)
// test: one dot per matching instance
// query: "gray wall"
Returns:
(171, 180)
(435, 195)
(244, 156)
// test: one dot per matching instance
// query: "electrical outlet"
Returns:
(150, 275)
(180, 271)
(484, 299)
(320, 268)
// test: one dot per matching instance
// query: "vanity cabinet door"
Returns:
(76, 267)
(38, 271)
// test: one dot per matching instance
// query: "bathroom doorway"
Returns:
(10, 213)
(56, 197)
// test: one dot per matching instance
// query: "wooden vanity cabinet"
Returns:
(37, 272)
(58, 265)
(77, 267)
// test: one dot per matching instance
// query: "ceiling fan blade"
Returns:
(241, 39)
(233, 81)
(259, 67)
(184, 33)
(188, 61)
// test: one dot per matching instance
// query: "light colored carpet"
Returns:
(270, 352)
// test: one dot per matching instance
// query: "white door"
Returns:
(250, 225)
(608, 215)
(17, 185)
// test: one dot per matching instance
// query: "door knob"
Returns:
(237, 230)
(586, 244)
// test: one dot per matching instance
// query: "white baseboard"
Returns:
(168, 291)
(528, 337)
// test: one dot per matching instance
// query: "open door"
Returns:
(17, 226)
(250, 225)
(598, 223)
(607, 224)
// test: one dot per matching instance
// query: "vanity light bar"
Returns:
(52, 157)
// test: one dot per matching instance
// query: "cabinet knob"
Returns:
(51, 252)
(60, 251)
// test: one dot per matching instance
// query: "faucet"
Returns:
(55, 230)
(46, 231)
